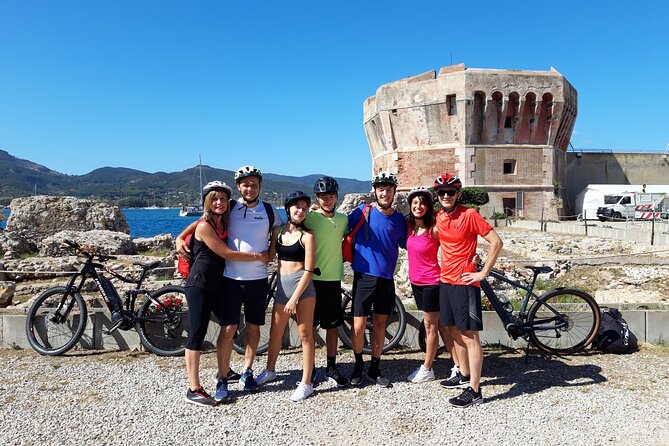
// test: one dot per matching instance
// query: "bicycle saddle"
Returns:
(539, 269)
(148, 266)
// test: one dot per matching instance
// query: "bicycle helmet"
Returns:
(420, 190)
(384, 178)
(218, 186)
(446, 179)
(294, 197)
(325, 185)
(247, 171)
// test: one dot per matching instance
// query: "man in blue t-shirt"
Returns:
(375, 256)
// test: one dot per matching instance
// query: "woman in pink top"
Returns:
(422, 248)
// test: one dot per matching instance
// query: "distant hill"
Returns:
(134, 188)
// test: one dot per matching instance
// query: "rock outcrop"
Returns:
(13, 244)
(42, 216)
(154, 244)
(6, 293)
(101, 242)
(352, 201)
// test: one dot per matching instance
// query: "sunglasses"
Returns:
(449, 192)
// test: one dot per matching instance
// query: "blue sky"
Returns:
(150, 85)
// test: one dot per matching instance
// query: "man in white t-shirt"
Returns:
(250, 229)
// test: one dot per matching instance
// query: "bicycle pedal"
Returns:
(114, 327)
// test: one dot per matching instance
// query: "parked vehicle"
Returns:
(634, 205)
(594, 196)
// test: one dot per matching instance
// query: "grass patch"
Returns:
(162, 252)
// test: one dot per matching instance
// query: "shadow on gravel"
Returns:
(506, 368)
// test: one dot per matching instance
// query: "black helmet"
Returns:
(325, 185)
(296, 196)
(216, 185)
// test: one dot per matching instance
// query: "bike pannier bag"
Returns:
(614, 335)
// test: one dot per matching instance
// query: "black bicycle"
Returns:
(57, 319)
(561, 321)
(395, 326)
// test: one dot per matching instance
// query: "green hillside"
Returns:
(134, 188)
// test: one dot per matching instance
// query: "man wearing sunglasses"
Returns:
(459, 291)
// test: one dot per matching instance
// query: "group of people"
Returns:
(234, 241)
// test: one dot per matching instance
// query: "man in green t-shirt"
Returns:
(329, 228)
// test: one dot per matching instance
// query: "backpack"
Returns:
(183, 265)
(614, 335)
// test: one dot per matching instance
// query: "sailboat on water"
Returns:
(195, 210)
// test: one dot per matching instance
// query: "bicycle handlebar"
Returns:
(91, 255)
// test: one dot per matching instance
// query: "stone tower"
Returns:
(504, 130)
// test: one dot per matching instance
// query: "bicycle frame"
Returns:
(89, 269)
(514, 323)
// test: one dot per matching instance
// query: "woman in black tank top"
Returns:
(203, 282)
(295, 294)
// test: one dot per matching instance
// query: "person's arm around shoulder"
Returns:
(309, 263)
(493, 252)
(206, 233)
(180, 242)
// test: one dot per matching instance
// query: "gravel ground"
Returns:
(137, 398)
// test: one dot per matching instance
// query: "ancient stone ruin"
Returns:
(43, 215)
(504, 130)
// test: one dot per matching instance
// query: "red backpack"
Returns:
(183, 265)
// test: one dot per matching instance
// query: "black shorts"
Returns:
(373, 291)
(427, 297)
(328, 312)
(460, 307)
(252, 293)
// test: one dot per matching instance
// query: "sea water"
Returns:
(151, 222)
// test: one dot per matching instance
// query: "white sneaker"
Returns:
(265, 377)
(454, 372)
(413, 374)
(302, 392)
(422, 375)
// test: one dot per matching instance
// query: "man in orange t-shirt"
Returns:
(459, 228)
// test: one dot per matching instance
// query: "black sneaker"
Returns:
(199, 397)
(333, 374)
(378, 379)
(356, 376)
(467, 398)
(233, 376)
(456, 382)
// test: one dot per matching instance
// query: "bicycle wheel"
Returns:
(563, 321)
(395, 325)
(423, 345)
(55, 321)
(160, 332)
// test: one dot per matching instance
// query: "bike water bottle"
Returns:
(505, 302)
